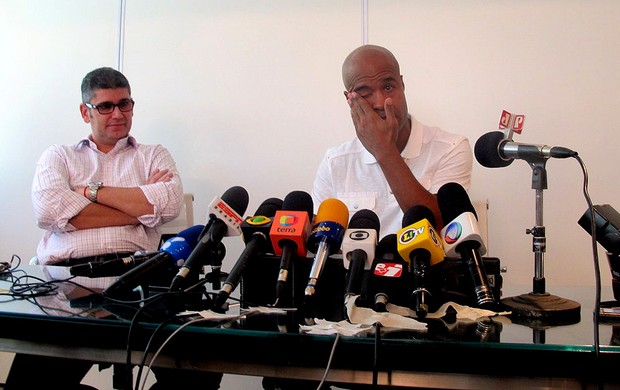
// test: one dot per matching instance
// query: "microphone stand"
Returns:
(539, 307)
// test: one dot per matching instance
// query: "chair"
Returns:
(183, 221)
(482, 208)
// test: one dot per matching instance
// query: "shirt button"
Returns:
(356, 206)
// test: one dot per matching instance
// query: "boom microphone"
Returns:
(462, 236)
(420, 246)
(493, 150)
(289, 233)
(224, 220)
(114, 267)
(330, 223)
(358, 248)
(172, 255)
(256, 236)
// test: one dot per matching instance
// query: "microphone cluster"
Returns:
(288, 250)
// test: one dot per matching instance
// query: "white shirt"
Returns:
(350, 173)
(63, 168)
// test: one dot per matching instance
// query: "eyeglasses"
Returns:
(108, 107)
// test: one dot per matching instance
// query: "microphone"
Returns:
(172, 255)
(289, 233)
(224, 220)
(114, 267)
(389, 277)
(358, 248)
(420, 246)
(606, 231)
(330, 223)
(462, 237)
(255, 232)
(494, 150)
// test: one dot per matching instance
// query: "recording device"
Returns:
(326, 238)
(358, 248)
(494, 150)
(607, 233)
(289, 233)
(224, 220)
(171, 256)
(389, 280)
(255, 232)
(461, 236)
(420, 246)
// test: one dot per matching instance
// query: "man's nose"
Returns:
(378, 100)
(116, 112)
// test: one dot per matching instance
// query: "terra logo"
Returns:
(288, 220)
(453, 232)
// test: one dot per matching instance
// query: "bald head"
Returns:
(371, 76)
(365, 57)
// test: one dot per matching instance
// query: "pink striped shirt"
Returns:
(63, 168)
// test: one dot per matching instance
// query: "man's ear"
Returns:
(85, 113)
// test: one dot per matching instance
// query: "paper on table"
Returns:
(362, 320)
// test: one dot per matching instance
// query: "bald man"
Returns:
(394, 162)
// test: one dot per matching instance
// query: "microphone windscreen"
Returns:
(453, 201)
(365, 219)
(298, 201)
(417, 213)
(269, 207)
(387, 246)
(237, 198)
(332, 210)
(177, 248)
(191, 234)
(487, 153)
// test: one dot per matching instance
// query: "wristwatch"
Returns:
(91, 191)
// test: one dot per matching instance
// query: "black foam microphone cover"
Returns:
(237, 198)
(453, 201)
(365, 219)
(487, 151)
(298, 201)
(269, 207)
(417, 213)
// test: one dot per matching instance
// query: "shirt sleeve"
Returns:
(166, 197)
(455, 166)
(54, 202)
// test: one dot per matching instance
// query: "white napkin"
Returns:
(362, 320)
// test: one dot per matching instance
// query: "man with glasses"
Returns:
(107, 195)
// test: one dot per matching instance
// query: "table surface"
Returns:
(465, 354)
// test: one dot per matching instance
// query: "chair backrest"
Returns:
(482, 209)
(184, 220)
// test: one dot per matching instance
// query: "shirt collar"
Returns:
(120, 144)
(412, 148)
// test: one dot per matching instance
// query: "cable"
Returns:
(329, 362)
(375, 366)
(147, 348)
(134, 321)
(191, 322)
(597, 271)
